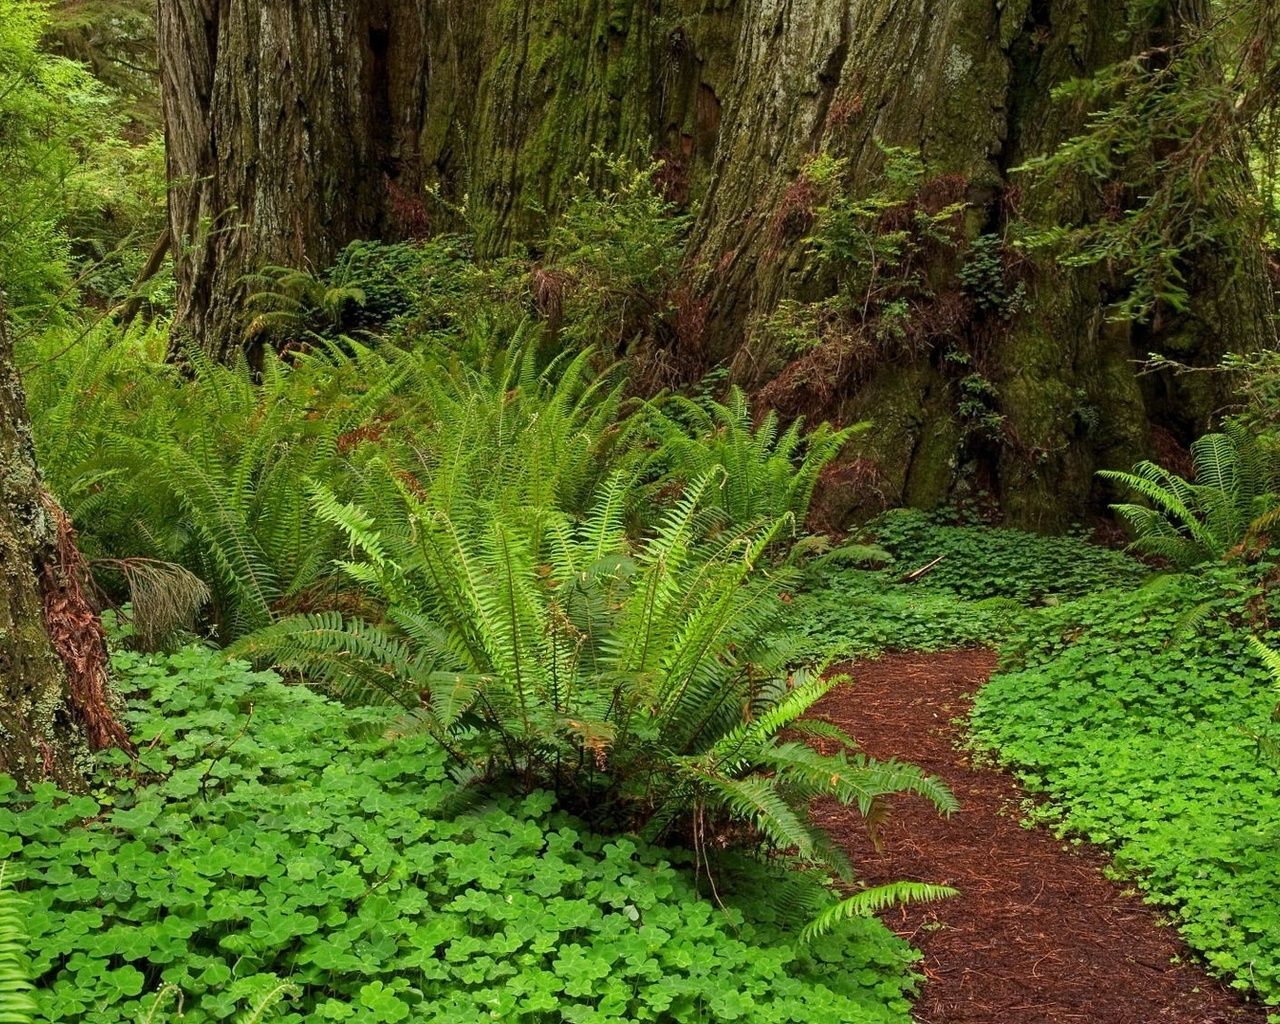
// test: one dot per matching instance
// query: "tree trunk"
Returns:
(295, 128)
(53, 701)
(291, 129)
(967, 84)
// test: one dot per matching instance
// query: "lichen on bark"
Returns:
(38, 737)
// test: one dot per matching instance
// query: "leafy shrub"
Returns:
(1236, 482)
(51, 111)
(611, 257)
(1137, 717)
(264, 838)
(980, 563)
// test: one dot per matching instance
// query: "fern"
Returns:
(869, 901)
(626, 677)
(768, 472)
(257, 1012)
(1236, 480)
(16, 1003)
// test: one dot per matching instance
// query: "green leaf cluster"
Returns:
(71, 187)
(1235, 492)
(268, 836)
(1139, 713)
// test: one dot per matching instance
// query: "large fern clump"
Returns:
(174, 478)
(1237, 477)
(625, 676)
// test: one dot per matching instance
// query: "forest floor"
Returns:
(1038, 934)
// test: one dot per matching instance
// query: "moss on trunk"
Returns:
(39, 739)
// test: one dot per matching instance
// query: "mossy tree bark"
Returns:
(967, 84)
(296, 127)
(291, 129)
(47, 724)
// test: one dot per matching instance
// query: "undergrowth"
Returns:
(268, 836)
(924, 585)
(1139, 713)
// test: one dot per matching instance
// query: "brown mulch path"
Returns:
(1038, 935)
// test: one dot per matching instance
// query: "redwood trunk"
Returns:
(45, 731)
(291, 128)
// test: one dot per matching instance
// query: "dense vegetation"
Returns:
(467, 647)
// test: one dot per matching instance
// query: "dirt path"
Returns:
(1038, 936)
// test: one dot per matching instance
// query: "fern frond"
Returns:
(869, 901)
(354, 658)
(16, 1003)
(755, 800)
(1270, 657)
(257, 1012)
(164, 596)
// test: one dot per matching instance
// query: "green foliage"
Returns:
(877, 239)
(626, 677)
(1268, 746)
(870, 901)
(876, 246)
(601, 280)
(269, 837)
(16, 1004)
(367, 288)
(984, 278)
(1141, 730)
(976, 589)
(206, 472)
(849, 612)
(506, 424)
(767, 472)
(1160, 153)
(116, 40)
(611, 257)
(1237, 478)
(71, 190)
(978, 563)
(45, 103)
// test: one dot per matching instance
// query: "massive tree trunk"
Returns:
(53, 701)
(295, 128)
(291, 129)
